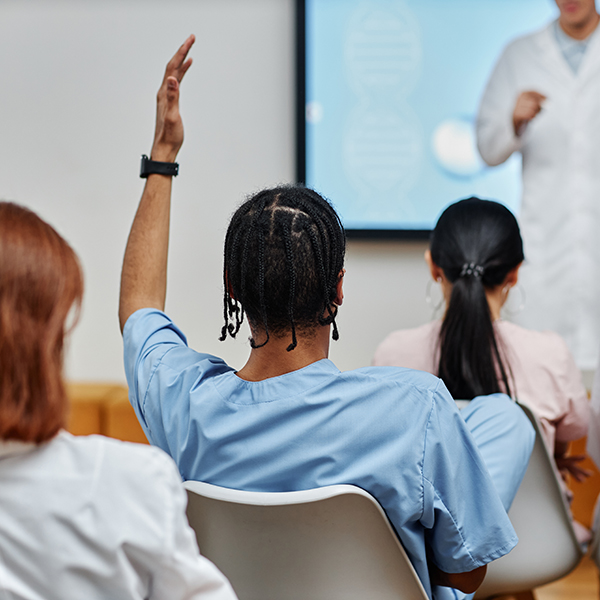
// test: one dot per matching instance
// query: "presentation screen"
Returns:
(389, 92)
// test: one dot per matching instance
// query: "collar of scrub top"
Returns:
(573, 50)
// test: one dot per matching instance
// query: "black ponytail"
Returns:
(476, 243)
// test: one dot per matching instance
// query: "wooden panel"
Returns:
(120, 419)
(584, 493)
(580, 584)
(84, 418)
(86, 407)
(102, 408)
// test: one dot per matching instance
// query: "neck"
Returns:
(582, 30)
(273, 359)
(496, 297)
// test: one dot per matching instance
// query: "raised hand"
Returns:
(144, 275)
(168, 135)
(527, 107)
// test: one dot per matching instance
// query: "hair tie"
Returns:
(471, 269)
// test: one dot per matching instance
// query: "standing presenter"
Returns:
(543, 100)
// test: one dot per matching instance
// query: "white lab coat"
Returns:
(560, 212)
(90, 518)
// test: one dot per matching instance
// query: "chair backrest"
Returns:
(547, 548)
(595, 543)
(321, 544)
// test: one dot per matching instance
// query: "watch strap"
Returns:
(148, 167)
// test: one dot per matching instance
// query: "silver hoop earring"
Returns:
(437, 304)
(516, 308)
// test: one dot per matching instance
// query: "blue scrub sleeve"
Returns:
(504, 438)
(161, 370)
(466, 523)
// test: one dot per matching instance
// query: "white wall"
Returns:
(76, 111)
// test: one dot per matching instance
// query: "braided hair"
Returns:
(476, 243)
(283, 258)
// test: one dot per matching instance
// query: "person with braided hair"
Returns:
(287, 298)
(475, 254)
(289, 419)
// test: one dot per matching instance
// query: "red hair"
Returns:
(40, 281)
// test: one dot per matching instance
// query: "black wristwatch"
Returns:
(147, 167)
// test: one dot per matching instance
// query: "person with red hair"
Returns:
(82, 517)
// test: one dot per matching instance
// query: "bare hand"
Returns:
(528, 105)
(168, 135)
(569, 464)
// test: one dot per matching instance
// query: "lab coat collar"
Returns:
(548, 52)
(591, 59)
(14, 448)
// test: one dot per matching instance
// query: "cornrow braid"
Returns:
(292, 273)
(261, 286)
(330, 319)
(231, 305)
(284, 253)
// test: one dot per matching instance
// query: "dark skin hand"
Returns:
(569, 465)
(467, 582)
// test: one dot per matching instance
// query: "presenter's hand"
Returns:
(168, 135)
(527, 107)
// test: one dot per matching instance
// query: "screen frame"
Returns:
(300, 127)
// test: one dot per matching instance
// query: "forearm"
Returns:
(496, 141)
(465, 582)
(560, 449)
(144, 274)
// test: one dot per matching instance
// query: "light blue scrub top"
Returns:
(393, 432)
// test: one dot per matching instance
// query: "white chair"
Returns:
(328, 543)
(548, 548)
(595, 544)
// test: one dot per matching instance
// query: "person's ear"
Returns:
(436, 272)
(512, 277)
(339, 298)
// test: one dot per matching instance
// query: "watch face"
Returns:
(144, 166)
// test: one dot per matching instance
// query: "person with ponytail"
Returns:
(475, 254)
(476, 251)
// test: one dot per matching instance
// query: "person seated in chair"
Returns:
(83, 517)
(475, 255)
(289, 419)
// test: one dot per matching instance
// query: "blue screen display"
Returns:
(392, 91)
